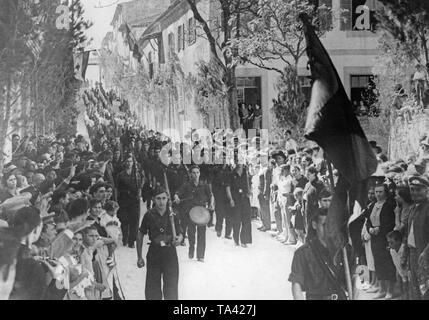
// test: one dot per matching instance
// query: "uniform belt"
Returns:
(332, 296)
(158, 244)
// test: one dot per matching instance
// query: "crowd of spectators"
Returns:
(60, 227)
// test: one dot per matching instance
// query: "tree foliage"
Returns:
(290, 106)
(169, 88)
(272, 38)
(221, 54)
(270, 31)
(408, 23)
(36, 65)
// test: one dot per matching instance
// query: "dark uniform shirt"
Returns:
(176, 176)
(158, 227)
(307, 271)
(219, 177)
(239, 185)
(192, 195)
(128, 187)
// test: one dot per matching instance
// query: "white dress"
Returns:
(368, 252)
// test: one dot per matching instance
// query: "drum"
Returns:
(199, 215)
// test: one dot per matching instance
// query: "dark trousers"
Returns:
(162, 264)
(241, 221)
(414, 280)
(184, 222)
(222, 213)
(129, 216)
(201, 239)
(265, 212)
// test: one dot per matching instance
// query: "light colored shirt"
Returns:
(112, 225)
(396, 257)
(276, 176)
(375, 214)
(291, 145)
(411, 241)
(419, 75)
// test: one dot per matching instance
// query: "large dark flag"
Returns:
(331, 123)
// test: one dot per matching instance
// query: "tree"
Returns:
(288, 113)
(408, 23)
(36, 66)
(17, 29)
(167, 92)
(55, 85)
(270, 32)
(219, 49)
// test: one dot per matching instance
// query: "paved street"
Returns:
(229, 272)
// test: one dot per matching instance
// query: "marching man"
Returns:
(165, 234)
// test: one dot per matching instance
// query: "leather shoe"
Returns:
(131, 246)
(219, 234)
(244, 245)
(228, 237)
(200, 260)
(191, 255)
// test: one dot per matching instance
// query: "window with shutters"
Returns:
(179, 38)
(150, 61)
(192, 31)
(171, 47)
(183, 36)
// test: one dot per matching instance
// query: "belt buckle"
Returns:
(334, 296)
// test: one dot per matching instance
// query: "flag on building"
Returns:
(332, 124)
(80, 64)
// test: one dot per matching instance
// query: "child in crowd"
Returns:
(297, 219)
(111, 223)
(394, 239)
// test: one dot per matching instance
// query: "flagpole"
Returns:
(344, 250)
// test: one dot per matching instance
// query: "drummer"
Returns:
(191, 194)
(162, 256)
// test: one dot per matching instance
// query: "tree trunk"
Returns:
(232, 99)
(5, 120)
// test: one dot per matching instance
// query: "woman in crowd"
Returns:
(366, 238)
(381, 221)
(9, 190)
(403, 206)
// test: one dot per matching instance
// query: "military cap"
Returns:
(418, 181)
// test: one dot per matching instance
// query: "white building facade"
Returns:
(351, 44)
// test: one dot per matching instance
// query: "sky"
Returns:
(101, 18)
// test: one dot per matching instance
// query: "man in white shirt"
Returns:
(276, 204)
